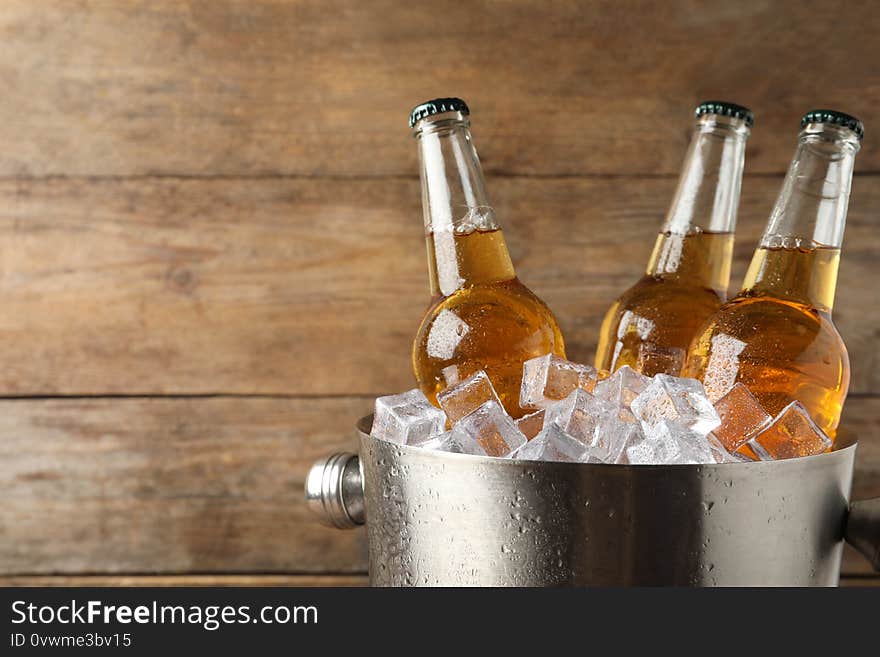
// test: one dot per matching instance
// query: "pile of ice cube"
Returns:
(577, 415)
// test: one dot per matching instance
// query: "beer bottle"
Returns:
(481, 317)
(776, 336)
(651, 325)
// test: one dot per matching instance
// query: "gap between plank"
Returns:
(490, 173)
(194, 395)
(192, 573)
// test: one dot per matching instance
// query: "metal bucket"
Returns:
(438, 519)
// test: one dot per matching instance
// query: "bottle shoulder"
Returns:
(510, 294)
(747, 313)
(763, 330)
(661, 299)
(494, 328)
(506, 311)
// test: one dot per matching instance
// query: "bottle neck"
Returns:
(696, 241)
(799, 252)
(465, 244)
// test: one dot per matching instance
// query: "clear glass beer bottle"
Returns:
(481, 317)
(777, 336)
(651, 325)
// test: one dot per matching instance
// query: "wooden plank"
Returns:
(170, 486)
(316, 287)
(324, 87)
(860, 582)
(189, 486)
(185, 580)
(856, 566)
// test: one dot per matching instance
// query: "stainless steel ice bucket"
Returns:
(437, 519)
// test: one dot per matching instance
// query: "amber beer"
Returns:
(776, 336)
(651, 325)
(481, 317)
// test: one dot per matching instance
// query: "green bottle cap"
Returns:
(437, 106)
(833, 116)
(726, 109)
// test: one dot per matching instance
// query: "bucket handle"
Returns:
(863, 529)
(335, 491)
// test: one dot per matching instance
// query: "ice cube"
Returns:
(531, 424)
(548, 378)
(617, 395)
(437, 443)
(465, 397)
(641, 453)
(489, 427)
(792, 433)
(680, 400)
(684, 444)
(719, 454)
(408, 418)
(622, 387)
(670, 444)
(552, 444)
(457, 442)
(579, 415)
(746, 453)
(741, 415)
(613, 438)
(656, 359)
(706, 446)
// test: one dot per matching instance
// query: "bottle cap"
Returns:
(833, 116)
(726, 109)
(437, 106)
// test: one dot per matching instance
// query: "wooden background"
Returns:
(210, 237)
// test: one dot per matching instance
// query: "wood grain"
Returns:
(170, 486)
(192, 580)
(235, 87)
(316, 287)
(189, 486)
(860, 582)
